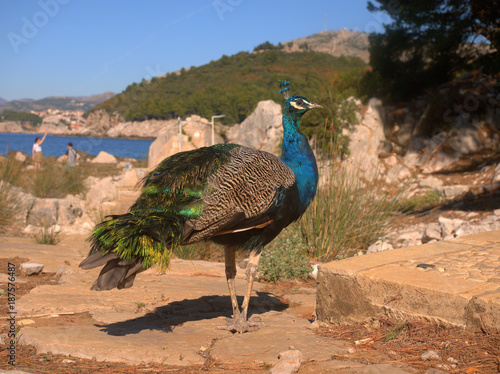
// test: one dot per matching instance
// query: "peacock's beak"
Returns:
(315, 106)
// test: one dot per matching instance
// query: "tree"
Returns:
(429, 42)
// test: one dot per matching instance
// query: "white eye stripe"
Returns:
(292, 103)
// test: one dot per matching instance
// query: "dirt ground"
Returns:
(381, 341)
(388, 341)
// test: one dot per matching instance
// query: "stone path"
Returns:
(170, 318)
(453, 281)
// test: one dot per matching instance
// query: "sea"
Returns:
(57, 145)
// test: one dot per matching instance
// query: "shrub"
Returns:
(48, 235)
(285, 258)
(348, 213)
(57, 181)
(10, 200)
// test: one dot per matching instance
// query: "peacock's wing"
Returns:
(178, 183)
(243, 193)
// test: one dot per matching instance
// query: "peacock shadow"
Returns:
(167, 317)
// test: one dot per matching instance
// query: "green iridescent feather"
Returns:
(171, 194)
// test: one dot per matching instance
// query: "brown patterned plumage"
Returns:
(235, 196)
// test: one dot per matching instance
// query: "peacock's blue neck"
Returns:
(297, 154)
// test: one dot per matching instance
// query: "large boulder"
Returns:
(100, 191)
(104, 158)
(195, 132)
(49, 212)
(20, 156)
(261, 130)
(367, 136)
(366, 140)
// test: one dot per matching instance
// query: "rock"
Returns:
(260, 130)
(398, 172)
(448, 226)
(148, 128)
(366, 137)
(49, 212)
(129, 179)
(496, 174)
(314, 273)
(409, 239)
(432, 232)
(30, 268)
(453, 191)
(11, 126)
(104, 158)
(405, 131)
(314, 325)
(430, 355)
(289, 362)
(379, 246)
(100, 122)
(391, 161)
(196, 132)
(100, 191)
(430, 182)
(42, 212)
(20, 156)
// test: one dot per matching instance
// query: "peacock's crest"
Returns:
(285, 89)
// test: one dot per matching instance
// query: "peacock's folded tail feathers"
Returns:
(172, 194)
(140, 234)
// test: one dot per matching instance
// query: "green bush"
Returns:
(285, 258)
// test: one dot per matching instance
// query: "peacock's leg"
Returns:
(253, 263)
(230, 260)
(240, 323)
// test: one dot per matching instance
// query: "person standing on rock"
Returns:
(70, 155)
(36, 152)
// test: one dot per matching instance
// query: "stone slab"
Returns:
(455, 282)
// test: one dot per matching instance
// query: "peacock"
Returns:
(238, 197)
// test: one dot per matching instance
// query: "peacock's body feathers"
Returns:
(235, 196)
(197, 195)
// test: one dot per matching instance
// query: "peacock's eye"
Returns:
(299, 102)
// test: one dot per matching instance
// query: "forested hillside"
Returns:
(233, 85)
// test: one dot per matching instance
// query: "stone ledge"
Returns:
(460, 286)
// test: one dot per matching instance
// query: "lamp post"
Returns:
(179, 137)
(213, 133)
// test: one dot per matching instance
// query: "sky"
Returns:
(86, 47)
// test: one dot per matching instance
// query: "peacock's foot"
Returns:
(241, 325)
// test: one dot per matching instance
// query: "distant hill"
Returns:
(84, 103)
(2, 101)
(335, 43)
(232, 85)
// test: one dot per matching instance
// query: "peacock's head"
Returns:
(299, 105)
